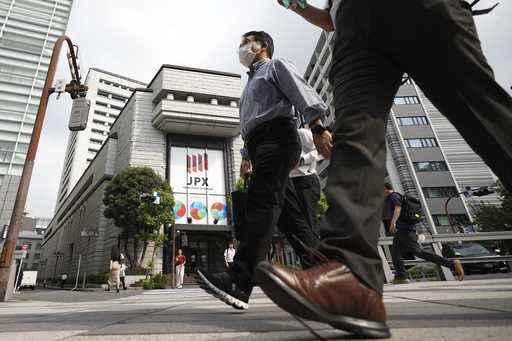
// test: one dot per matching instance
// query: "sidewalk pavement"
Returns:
(471, 310)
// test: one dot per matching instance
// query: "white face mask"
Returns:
(246, 55)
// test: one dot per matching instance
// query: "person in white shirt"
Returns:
(229, 255)
(122, 272)
(305, 178)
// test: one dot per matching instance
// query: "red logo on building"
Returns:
(197, 163)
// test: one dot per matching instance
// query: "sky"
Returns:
(134, 38)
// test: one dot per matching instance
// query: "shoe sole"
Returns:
(289, 300)
(211, 289)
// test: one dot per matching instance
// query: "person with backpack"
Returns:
(401, 214)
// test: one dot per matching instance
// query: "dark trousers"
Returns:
(274, 150)
(123, 283)
(435, 42)
(308, 190)
(294, 222)
(406, 242)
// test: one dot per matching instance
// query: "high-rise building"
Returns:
(28, 32)
(108, 94)
(427, 158)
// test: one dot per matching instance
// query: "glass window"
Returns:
(197, 177)
(22, 147)
(439, 192)
(442, 219)
(19, 158)
(407, 100)
(427, 142)
(413, 143)
(431, 166)
(406, 121)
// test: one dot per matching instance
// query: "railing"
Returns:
(490, 259)
(455, 237)
(447, 238)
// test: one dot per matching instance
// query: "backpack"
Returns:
(412, 212)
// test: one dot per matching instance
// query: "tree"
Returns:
(126, 200)
(496, 218)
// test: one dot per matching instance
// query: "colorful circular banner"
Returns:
(179, 209)
(219, 211)
(198, 210)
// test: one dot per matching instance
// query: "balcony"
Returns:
(196, 118)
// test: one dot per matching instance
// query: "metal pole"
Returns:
(173, 255)
(77, 272)
(87, 257)
(18, 276)
(21, 197)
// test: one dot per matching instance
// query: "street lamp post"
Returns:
(75, 88)
(468, 193)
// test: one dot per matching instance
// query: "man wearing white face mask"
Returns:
(272, 149)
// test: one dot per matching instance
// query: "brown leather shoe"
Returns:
(327, 293)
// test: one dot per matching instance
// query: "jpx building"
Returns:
(184, 125)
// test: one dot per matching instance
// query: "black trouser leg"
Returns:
(442, 52)
(365, 82)
(398, 261)
(409, 243)
(274, 150)
(123, 282)
(293, 224)
(308, 193)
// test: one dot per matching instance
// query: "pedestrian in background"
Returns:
(115, 267)
(305, 178)
(63, 279)
(122, 272)
(181, 260)
(229, 255)
(405, 239)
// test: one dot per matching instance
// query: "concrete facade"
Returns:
(181, 107)
(108, 93)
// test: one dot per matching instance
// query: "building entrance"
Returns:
(204, 250)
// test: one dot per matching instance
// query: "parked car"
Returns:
(475, 250)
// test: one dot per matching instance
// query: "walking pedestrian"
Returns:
(115, 268)
(122, 272)
(305, 178)
(272, 150)
(181, 260)
(406, 240)
(436, 43)
(229, 255)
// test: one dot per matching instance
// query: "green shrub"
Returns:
(147, 284)
(424, 271)
(158, 281)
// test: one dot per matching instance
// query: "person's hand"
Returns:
(293, 6)
(245, 169)
(392, 228)
(323, 144)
